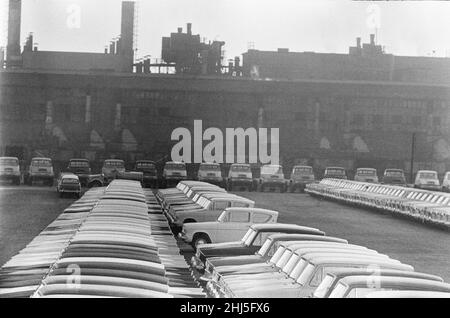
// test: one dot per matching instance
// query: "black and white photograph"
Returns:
(249, 151)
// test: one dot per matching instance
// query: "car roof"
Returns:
(301, 166)
(335, 168)
(252, 210)
(176, 162)
(240, 164)
(404, 281)
(148, 161)
(274, 227)
(9, 158)
(394, 169)
(210, 163)
(40, 158)
(324, 259)
(407, 294)
(343, 272)
(366, 169)
(78, 159)
(114, 160)
(428, 171)
(287, 237)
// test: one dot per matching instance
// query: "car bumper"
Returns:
(8, 176)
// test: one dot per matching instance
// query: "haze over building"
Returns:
(356, 108)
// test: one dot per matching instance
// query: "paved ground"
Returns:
(425, 248)
(24, 212)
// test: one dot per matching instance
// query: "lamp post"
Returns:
(413, 146)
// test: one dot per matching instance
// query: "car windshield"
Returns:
(305, 275)
(175, 166)
(335, 171)
(393, 173)
(223, 217)
(251, 238)
(240, 168)
(303, 170)
(365, 172)
(428, 175)
(324, 286)
(145, 165)
(69, 180)
(249, 232)
(118, 164)
(265, 247)
(271, 170)
(338, 291)
(298, 269)
(9, 162)
(209, 167)
(83, 164)
(41, 163)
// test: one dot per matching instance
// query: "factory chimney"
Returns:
(13, 46)
(372, 39)
(358, 43)
(127, 35)
(189, 28)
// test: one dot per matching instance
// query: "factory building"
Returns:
(353, 110)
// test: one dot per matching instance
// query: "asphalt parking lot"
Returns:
(424, 247)
(25, 211)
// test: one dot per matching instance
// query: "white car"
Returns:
(427, 179)
(231, 225)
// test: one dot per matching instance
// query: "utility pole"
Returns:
(413, 146)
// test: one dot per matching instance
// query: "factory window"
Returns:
(416, 121)
(77, 113)
(129, 115)
(163, 111)
(62, 113)
(377, 120)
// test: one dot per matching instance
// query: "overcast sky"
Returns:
(404, 28)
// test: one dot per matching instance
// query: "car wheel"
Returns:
(200, 239)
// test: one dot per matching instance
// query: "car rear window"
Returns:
(365, 172)
(393, 173)
(209, 167)
(175, 166)
(303, 170)
(145, 165)
(69, 180)
(41, 163)
(9, 162)
(335, 171)
(240, 168)
(119, 164)
(271, 170)
(83, 164)
(428, 175)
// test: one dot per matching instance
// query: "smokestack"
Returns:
(127, 35)
(372, 39)
(14, 14)
(189, 28)
(358, 43)
(180, 30)
(112, 48)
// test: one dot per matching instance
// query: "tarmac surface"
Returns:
(25, 211)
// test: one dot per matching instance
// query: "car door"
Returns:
(236, 226)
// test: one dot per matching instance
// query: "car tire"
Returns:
(200, 239)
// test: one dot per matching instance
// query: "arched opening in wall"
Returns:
(441, 150)
(359, 145)
(96, 141)
(59, 134)
(325, 143)
(129, 143)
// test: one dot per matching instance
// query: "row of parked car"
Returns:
(422, 205)
(113, 242)
(238, 258)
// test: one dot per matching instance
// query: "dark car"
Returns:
(68, 183)
(250, 243)
(148, 168)
(81, 168)
(394, 176)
